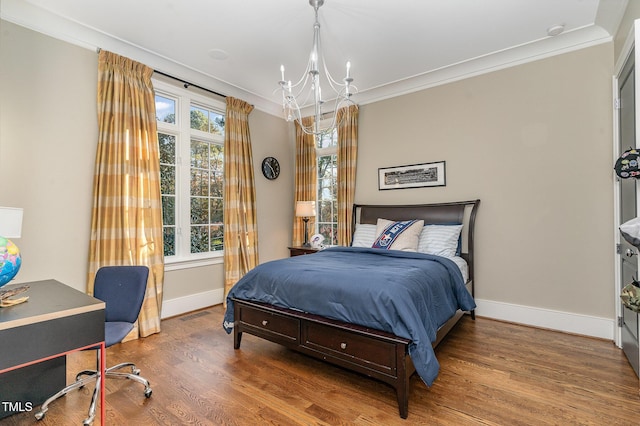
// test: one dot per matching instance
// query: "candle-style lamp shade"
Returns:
(305, 210)
(10, 227)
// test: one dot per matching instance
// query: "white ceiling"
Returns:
(395, 46)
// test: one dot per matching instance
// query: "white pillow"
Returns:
(364, 236)
(441, 240)
(401, 235)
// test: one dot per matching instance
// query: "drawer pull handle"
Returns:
(343, 345)
(265, 322)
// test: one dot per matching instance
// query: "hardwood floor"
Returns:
(492, 373)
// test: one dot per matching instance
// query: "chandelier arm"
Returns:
(304, 78)
(333, 83)
(287, 91)
(304, 89)
(307, 91)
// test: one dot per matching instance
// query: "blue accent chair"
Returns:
(122, 288)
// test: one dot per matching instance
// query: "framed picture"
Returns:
(412, 176)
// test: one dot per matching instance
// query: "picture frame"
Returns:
(412, 176)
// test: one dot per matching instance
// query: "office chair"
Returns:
(122, 288)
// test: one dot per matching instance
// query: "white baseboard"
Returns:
(567, 322)
(192, 302)
(555, 320)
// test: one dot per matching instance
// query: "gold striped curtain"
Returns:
(305, 178)
(347, 156)
(240, 216)
(126, 220)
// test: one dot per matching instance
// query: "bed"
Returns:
(373, 311)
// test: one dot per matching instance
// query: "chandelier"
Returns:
(308, 88)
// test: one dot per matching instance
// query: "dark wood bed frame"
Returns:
(371, 352)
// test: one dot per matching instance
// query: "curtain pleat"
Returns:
(347, 156)
(240, 215)
(126, 222)
(305, 178)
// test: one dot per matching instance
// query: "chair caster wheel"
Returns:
(87, 422)
(148, 392)
(39, 415)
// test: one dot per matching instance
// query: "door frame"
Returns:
(632, 40)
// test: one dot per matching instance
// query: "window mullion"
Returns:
(185, 177)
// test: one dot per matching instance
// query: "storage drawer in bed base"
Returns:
(268, 325)
(382, 356)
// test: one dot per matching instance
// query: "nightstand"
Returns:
(299, 251)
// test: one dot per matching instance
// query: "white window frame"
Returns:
(182, 131)
(322, 152)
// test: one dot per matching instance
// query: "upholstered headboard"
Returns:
(433, 214)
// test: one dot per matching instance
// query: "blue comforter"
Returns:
(408, 294)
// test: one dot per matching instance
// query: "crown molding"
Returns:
(35, 18)
(48, 23)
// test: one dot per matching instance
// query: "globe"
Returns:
(10, 260)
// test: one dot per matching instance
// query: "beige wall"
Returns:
(48, 136)
(48, 133)
(534, 143)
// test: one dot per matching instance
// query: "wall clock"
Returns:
(270, 168)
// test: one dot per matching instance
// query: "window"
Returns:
(327, 202)
(191, 141)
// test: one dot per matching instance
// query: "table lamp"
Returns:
(305, 209)
(10, 227)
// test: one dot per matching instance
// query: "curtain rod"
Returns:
(185, 83)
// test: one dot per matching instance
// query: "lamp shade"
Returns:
(305, 208)
(10, 222)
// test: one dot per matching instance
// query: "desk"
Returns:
(55, 321)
